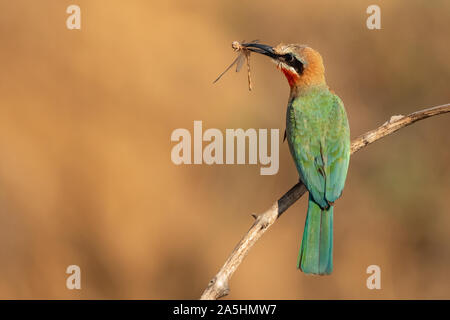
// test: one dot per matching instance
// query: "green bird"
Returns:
(318, 135)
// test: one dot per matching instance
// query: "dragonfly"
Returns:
(244, 55)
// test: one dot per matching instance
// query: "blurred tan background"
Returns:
(86, 176)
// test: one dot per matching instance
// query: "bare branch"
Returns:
(218, 287)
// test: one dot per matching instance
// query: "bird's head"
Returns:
(302, 65)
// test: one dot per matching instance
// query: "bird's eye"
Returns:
(289, 57)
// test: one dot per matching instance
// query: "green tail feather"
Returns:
(316, 252)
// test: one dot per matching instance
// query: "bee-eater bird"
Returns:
(318, 135)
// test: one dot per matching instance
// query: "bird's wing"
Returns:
(337, 150)
(304, 144)
(318, 139)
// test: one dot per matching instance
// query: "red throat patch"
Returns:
(291, 76)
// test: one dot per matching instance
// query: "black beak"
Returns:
(261, 48)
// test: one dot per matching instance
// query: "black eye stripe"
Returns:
(291, 60)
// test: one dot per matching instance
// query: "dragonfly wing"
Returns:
(240, 62)
(228, 68)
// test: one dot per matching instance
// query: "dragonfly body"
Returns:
(243, 55)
